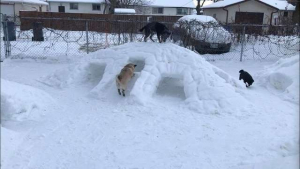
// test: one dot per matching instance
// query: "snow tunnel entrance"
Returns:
(140, 64)
(95, 73)
(171, 86)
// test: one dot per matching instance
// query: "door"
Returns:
(252, 18)
(249, 18)
(61, 9)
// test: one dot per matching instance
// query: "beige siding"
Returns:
(248, 6)
(166, 11)
(219, 13)
(82, 8)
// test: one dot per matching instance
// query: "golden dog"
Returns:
(124, 77)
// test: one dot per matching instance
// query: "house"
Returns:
(77, 6)
(273, 12)
(13, 7)
(167, 7)
(156, 7)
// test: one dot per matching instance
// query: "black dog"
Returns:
(161, 30)
(248, 80)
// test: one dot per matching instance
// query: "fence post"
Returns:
(243, 41)
(87, 36)
(6, 36)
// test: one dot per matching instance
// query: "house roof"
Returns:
(36, 2)
(278, 4)
(124, 10)
(78, 1)
(173, 3)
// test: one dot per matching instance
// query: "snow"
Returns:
(199, 18)
(221, 4)
(283, 78)
(200, 115)
(177, 3)
(25, 1)
(21, 102)
(124, 10)
(278, 4)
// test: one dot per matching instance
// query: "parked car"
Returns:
(203, 33)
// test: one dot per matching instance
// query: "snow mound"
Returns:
(206, 88)
(21, 102)
(283, 78)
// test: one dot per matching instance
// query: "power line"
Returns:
(187, 3)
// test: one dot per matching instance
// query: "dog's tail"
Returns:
(142, 29)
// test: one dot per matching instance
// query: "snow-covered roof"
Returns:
(124, 10)
(78, 1)
(176, 3)
(38, 2)
(200, 18)
(278, 4)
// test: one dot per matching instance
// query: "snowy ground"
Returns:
(60, 123)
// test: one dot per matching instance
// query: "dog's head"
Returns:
(166, 34)
(241, 71)
(130, 65)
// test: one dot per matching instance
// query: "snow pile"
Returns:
(283, 77)
(206, 87)
(199, 18)
(278, 4)
(203, 28)
(21, 102)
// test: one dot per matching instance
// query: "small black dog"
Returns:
(161, 30)
(248, 80)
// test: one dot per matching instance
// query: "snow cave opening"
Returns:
(95, 73)
(140, 64)
(171, 86)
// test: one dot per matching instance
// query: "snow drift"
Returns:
(283, 78)
(21, 102)
(206, 87)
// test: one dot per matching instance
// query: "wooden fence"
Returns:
(107, 23)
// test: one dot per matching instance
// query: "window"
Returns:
(182, 11)
(215, 16)
(96, 7)
(74, 6)
(157, 10)
(285, 14)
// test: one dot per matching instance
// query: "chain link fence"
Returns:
(74, 37)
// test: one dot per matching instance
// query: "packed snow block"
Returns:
(21, 102)
(282, 78)
(89, 73)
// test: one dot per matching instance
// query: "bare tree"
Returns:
(123, 4)
(200, 3)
